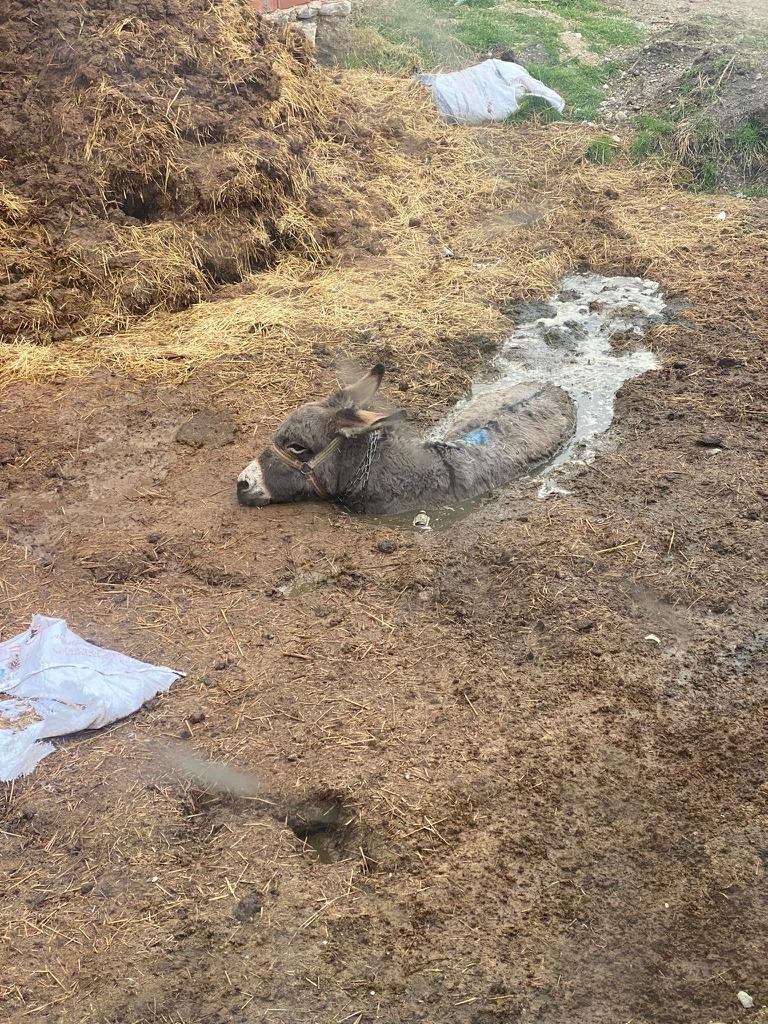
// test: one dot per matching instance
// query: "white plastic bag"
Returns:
(58, 683)
(486, 92)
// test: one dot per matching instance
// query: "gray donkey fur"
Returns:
(377, 464)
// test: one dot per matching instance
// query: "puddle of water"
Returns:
(325, 826)
(586, 340)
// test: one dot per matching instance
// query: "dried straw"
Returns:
(464, 221)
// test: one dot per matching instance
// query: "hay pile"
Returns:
(466, 222)
(151, 151)
(263, 165)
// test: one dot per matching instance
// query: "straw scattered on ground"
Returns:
(466, 221)
(189, 190)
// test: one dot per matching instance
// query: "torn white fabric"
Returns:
(52, 682)
(486, 92)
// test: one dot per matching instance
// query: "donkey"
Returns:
(340, 450)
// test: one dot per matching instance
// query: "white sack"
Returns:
(486, 92)
(58, 683)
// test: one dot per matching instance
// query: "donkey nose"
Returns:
(251, 489)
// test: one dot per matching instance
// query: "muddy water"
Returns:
(587, 339)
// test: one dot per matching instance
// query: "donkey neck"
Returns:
(407, 472)
(352, 483)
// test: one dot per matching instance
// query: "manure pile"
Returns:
(150, 152)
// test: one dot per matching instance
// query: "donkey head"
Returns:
(314, 448)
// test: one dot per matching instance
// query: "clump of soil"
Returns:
(150, 152)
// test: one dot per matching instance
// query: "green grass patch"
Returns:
(404, 35)
(489, 28)
(692, 138)
(601, 150)
(582, 86)
(706, 175)
(601, 32)
(600, 28)
(653, 125)
(750, 140)
(534, 108)
(644, 145)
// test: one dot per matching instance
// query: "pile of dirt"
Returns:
(699, 101)
(149, 152)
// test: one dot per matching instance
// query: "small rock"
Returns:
(86, 888)
(727, 361)
(745, 999)
(710, 442)
(722, 215)
(247, 909)
(307, 28)
(340, 8)
(197, 718)
(421, 521)
(386, 547)
(220, 664)
(415, 222)
(585, 625)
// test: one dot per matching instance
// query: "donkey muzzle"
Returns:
(251, 489)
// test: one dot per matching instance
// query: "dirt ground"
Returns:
(540, 812)
(511, 772)
(672, 12)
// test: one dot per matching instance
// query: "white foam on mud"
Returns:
(569, 344)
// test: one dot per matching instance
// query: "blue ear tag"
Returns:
(477, 437)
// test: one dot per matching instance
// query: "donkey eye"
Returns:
(298, 449)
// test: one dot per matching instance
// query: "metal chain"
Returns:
(359, 482)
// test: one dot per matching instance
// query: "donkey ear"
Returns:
(354, 422)
(361, 392)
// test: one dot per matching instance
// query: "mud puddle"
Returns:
(587, 339)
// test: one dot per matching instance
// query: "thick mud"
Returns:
(509, 771)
